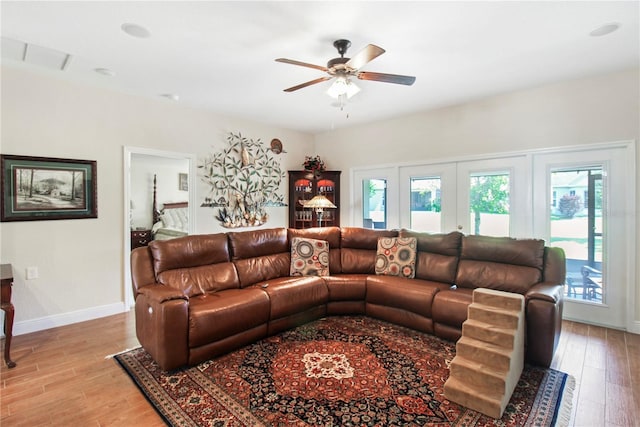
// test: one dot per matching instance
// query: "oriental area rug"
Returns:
(338, 371)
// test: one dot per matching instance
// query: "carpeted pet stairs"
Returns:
(490, 354)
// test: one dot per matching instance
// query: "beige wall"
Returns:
(80, 262)
(584, 111)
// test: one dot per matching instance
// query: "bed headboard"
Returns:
(157, 212)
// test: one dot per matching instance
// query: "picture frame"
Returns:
(183, 182)
(46, 188)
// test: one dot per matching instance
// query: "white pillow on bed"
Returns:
(175, 219)
(167, 220)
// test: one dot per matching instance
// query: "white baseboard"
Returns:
(635, 327)
(62, 319)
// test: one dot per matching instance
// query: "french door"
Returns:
(428, 197)
(487, 197)
(581, 204)
(493, 197)
(375, 198)
(581, 199)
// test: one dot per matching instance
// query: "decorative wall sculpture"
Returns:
(244, 178)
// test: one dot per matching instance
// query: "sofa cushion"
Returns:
(256, 243)
(396, 256)
(506, 250)
(292, 295)
(213, 317)
(358, 249)
(330, 234)
(450, 306)
(260, 255)
(345, 287)
(501, 263)
(189, 251)
(412, 295)
(199, 280)
(309, 257)
(438, 255)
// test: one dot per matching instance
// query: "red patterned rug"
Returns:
(338, 371)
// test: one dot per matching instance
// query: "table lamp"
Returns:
(319, 203)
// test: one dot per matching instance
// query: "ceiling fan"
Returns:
(342, 68)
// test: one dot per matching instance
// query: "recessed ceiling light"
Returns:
(135, 30)
(605, 29)
(105, 72)
(171, 96)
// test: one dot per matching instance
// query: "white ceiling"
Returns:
(220, 55)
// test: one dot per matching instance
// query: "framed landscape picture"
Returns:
(42, 188)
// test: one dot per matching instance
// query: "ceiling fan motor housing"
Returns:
(342, 45)
(337, 63)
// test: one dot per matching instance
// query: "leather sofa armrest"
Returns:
(161, 293)
(545, 291)
(544, 302)
(162, 324)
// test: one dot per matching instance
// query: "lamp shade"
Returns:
(319, 202)
(342, 86)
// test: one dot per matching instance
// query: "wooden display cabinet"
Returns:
(303, 186)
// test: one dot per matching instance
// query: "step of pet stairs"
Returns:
(456, 390)
(490, 354)
(482, 331)
(499, 358)
(495, 298)
(497, 316)
(478, 375)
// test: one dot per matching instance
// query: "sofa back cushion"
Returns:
(195, 264)
(438, 255)
(501, 263)
(260, 255)
(358, 249)
(329, 234)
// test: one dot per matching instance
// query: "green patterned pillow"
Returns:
(309, 257)
(396, 256)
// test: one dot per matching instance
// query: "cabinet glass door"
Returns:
(303, 192)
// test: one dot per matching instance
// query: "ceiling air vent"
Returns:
(35, 55)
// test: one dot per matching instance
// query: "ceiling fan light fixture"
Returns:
(342, 87)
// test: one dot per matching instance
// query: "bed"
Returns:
(170, 222)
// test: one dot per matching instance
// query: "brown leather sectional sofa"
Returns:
(203, 295)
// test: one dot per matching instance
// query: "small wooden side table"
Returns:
(140, 238)
(6, 278)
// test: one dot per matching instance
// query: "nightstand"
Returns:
(140, 238)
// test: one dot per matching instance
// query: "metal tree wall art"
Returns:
(244, 178)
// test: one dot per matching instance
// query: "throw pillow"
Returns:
(309, 257)
(396, 256)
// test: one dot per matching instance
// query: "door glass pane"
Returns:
(374, 197)
(426, 204)
(576, 226)
(489, 204)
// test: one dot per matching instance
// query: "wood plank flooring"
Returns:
(63, 378)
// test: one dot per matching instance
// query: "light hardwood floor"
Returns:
(63, 378)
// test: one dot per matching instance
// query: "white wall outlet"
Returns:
(32, 273)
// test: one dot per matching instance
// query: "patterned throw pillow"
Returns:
(396, 256)
(309, 257)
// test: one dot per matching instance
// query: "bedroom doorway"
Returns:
(170, 177)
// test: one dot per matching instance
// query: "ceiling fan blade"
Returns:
(387, 78)
(369, 53)
(312, 82)
(303, 64)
